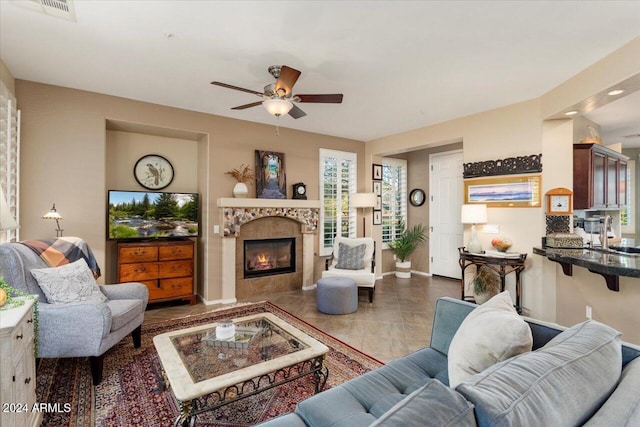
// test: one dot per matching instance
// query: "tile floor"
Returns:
(397, 322)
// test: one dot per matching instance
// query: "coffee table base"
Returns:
(189, 410)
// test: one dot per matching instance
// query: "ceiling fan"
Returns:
(277, 97)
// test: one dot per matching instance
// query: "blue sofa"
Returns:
(531, 389)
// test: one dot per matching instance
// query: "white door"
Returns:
(445, 200)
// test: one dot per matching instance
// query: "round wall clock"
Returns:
(153, 172)
(417, 197)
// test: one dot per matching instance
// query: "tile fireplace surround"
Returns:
(237, 212)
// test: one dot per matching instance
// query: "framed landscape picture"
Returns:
(271, 182)
(505, 191)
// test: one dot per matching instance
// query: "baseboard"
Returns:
(417, 273)
(218, 301)
(421, 273)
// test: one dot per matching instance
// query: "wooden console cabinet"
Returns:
(18, 378)
(599, 177)
(165, 267)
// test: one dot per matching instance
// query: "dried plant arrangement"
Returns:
(243, 174)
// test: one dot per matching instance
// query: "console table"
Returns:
(502, 265)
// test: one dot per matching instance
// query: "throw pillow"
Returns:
(68, 283)
(491, 333)
(561, 384)
(351, 257)
(433, 404)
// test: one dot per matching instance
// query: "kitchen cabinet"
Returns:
(599, 177)
(165, 267)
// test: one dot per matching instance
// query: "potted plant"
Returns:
(404, 245)
(243, 175)
(486, 285)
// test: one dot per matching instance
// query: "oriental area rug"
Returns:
(131, 392)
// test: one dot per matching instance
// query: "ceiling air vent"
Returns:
(58, 8)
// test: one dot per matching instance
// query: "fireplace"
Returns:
(265, 257)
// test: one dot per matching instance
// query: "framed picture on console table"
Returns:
(504, 191)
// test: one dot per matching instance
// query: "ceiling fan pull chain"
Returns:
(277, 130)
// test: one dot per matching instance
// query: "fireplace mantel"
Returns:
(230, 202)
(238, 211)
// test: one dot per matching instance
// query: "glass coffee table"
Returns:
(206, 373)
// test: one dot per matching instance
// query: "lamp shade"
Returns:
(7, 221)
(362, 200)
(277, 106)
(473, 214)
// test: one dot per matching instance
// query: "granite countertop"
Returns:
(609, 265)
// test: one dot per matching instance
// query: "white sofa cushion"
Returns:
(491, 333)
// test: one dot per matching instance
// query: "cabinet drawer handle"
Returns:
(140, 270)
(27, 381)
(30, 321)
(19, 337)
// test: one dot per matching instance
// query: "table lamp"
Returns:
(362, 201)
(53, 214)
(474, 214)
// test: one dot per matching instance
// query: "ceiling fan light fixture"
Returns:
(277, 107)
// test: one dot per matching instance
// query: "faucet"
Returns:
(604, 241)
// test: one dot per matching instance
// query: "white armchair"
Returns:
(356, 262)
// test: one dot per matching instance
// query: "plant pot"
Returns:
(403, 269)
(240, 190)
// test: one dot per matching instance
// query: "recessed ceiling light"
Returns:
(571, 113)
(615, 92)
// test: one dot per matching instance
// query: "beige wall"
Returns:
(7, 78)
(63, 160)
(417, 177)
(521, 129)
(65, 147)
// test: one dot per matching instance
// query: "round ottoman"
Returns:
(337, 295)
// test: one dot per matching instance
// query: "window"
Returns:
(627, 214)
(394, 197)
(337, 181)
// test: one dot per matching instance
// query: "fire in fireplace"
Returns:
(265, 257)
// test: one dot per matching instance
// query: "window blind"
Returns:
(338, 179)
(394, 197)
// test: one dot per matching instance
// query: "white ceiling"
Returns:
(400, 65)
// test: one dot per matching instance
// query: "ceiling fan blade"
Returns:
(228, 86)
(335, 98)
(296, 112)
(244, 107)
(288, 78)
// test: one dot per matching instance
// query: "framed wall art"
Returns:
(377, 217)
(153, 172)
(271, 182)
(377, 188)
(376, 172)
(506, 191)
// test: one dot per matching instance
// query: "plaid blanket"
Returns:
(64, 250)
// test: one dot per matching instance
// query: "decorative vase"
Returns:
(240, 190)
(403, 269)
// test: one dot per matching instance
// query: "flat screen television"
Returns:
(147, 215)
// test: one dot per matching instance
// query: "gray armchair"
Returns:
(77, 329)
